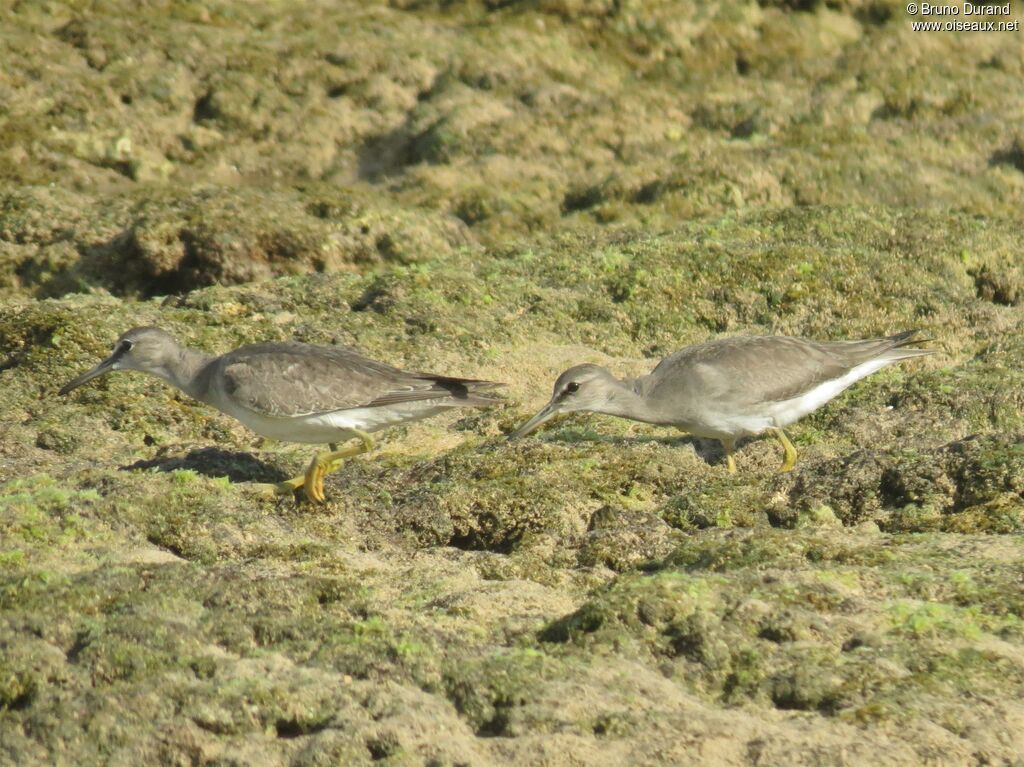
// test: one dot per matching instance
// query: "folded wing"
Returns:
(762, 369)
(293, 379)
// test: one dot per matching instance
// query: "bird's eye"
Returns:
(126, 346)
(572, 387)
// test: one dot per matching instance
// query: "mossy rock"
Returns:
(978, 477)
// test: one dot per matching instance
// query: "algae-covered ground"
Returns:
(502, 189)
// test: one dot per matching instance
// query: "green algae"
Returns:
(488, 691)
(745, 634)
(825, 616)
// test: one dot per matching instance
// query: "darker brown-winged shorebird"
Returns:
(296, 392)
(729, 388)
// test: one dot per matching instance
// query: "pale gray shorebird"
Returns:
(296, 392)
(729, 388)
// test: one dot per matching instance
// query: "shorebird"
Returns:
(296, 392)
(729, 388)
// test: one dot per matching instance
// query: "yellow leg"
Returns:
(730, 448)
(328, 463)
(790, 460)
(312, 481)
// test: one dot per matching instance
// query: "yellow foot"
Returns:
(790, 459)
(312, 482)
(730, 448)
(288, 487)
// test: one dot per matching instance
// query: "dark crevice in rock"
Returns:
(1012, 155)
(292, 728)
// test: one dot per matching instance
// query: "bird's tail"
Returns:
(480, 393)
(897, 349)
(470, 391)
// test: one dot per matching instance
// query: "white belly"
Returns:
(321, 428)
(782, 413)
(786, 412)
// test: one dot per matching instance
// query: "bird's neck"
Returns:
(184, 370)
(625, 401)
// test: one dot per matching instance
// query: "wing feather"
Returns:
(293, 379)
(751, 370)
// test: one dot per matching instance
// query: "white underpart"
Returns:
(321, 428)
(785, 412)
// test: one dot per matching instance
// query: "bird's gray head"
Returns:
(587, 388)
(150, 350)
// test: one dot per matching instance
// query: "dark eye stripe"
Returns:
(122, 349)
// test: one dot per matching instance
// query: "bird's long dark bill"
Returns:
(97, 371)
(545, 415)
